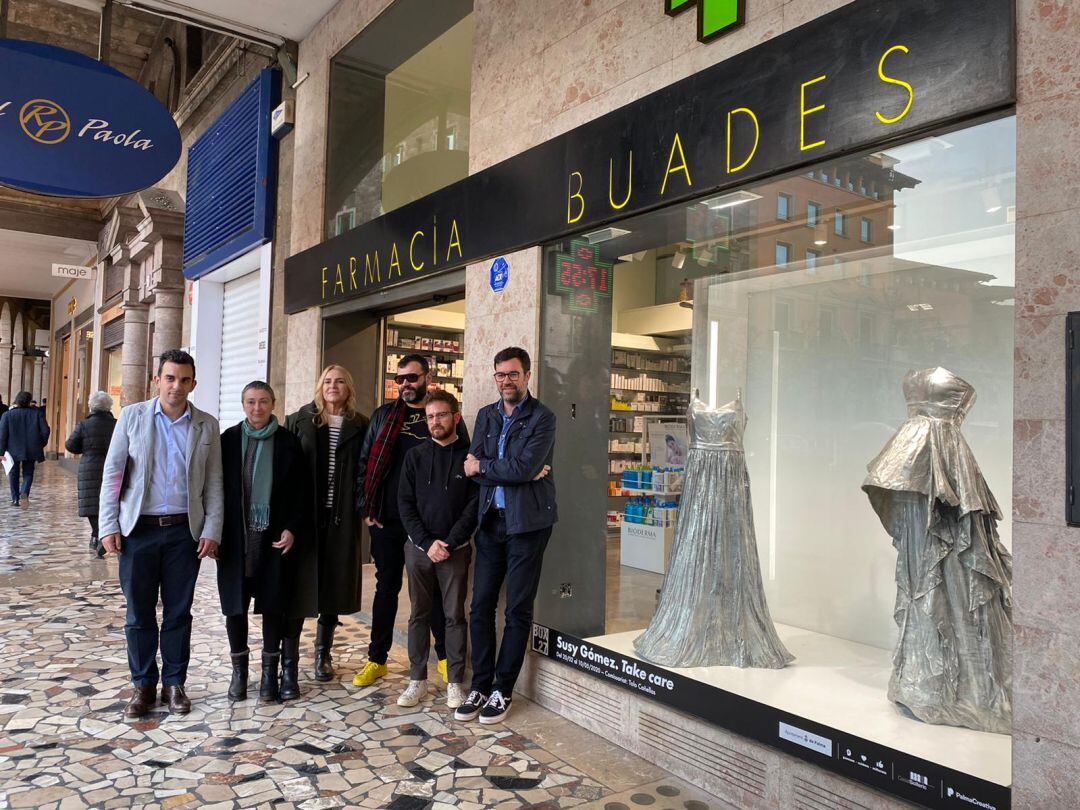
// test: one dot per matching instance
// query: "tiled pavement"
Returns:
(64, 744)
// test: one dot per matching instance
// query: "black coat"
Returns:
(280, 585)
(339, 563)
(530, 444)
(91, 438)
(24, 433)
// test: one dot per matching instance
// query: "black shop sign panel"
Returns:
(870, 73)
(886, 769)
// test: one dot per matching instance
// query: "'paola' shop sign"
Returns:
(73, 127)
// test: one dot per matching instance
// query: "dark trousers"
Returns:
(275, 626)
(26, 468)
(157, 561)
(388, 551)
(426, 580)
(514, 559)
(93, 521)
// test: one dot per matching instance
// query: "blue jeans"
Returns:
(153, 561)
(27, 479)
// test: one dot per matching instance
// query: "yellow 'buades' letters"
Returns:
(803, 113)
(757, 138)
(889, 80)
(682, 167)
(571, 217)
(629, 183)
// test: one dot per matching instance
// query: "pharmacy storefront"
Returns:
(775, 314)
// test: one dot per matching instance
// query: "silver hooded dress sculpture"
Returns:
(953, 661)
(712, 609)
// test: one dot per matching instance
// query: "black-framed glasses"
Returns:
(400, 378)
(513, 376)
(438, 417)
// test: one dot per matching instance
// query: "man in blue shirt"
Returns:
(510, 458)
(161, 509)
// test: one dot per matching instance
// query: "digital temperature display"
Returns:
(582, 277)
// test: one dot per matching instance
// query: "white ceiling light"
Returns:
(604, 234)
(730, 200)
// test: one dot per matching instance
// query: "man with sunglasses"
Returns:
(395, 428)
(510, 457)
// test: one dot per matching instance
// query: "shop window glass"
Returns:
(783, 206)
(399, 110)
(783, 253)
(817, 362)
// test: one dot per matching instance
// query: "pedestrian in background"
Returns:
(162, 508)
(437, 503)
(91, 439)
(331, 430)
(512, 448)
(23, 434)
(268, 519)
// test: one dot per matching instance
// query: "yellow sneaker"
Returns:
(369, 674)
(442, 670)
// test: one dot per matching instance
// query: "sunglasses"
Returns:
(401, 378)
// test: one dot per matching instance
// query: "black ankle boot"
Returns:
(290, 664)
(239, 684)
(268, 686)
(324, 640)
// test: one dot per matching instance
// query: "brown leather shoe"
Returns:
(143, 699)
(176, 700)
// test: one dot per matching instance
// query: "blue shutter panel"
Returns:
(231, 178)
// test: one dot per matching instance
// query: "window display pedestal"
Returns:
(843, 684)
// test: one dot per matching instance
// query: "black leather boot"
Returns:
(290, 664)
(239, 684)
(268, 686)
(324, 664)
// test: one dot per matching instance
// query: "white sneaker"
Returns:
(455, 695)
(413, 693)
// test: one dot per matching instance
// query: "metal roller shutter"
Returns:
(239, 345)
(112, 333)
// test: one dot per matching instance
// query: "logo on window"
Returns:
(714, 17)
(582, 277)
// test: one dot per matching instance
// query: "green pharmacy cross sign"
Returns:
(714, 17)
(582, 277)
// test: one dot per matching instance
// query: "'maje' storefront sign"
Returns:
(73, 127)
(870, 73)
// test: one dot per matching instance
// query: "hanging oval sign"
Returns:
(73, 127)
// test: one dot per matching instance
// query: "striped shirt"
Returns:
(334, 424)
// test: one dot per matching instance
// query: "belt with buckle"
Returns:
(495, 512)
(161, 521)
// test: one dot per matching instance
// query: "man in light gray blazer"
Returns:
(161, 509)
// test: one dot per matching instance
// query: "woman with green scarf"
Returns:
(267, 524)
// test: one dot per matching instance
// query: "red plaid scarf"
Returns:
(380, 457)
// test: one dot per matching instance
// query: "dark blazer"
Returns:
(91, 438)
(278, 585)
(530, 444)
(337, 554)
(24, 433)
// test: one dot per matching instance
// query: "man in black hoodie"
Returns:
(438, 507)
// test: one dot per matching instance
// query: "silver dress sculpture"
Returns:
(712, 609)
(953, 660)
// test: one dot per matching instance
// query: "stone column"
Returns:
(17, 356)
(133, 355)
(168, 321)
(39, 367)
(5, 353)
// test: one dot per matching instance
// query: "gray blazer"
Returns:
(125, 481)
